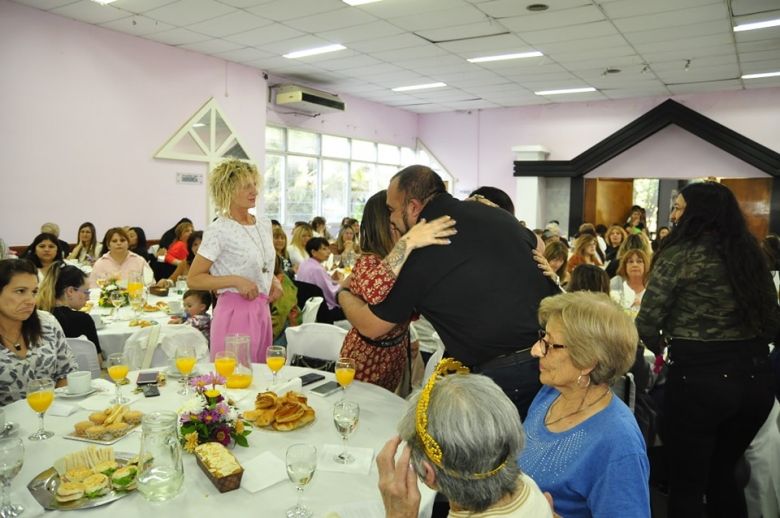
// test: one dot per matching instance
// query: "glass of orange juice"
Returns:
(225, 363)
(185, 363)
(275, 357)
(135, 283)
(118, 367)
(345, 372)
(40, 394)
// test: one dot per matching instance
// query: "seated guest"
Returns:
(177, 251)
(119, 261)
(319, 228)
(87, 250)
(33, 344)
(584, 445)
(196, 306)
(588, 277)
(280, 245)
(557, 255)
(345, 241)
(54, 229)
(44, 250)
(183, 268)
(462, 436)
(284, 311)
(169, 236)
(628, 287)
(615, 237)
(312, 271)
(63, 293)
(297, 248)
(632, 242)
(584, 252)
(136, 238)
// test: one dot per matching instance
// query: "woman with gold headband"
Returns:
(463, 435)
(236, 258)
(583, 445)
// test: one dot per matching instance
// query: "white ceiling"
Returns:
(403, 42)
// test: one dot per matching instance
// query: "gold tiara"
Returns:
(432, 449)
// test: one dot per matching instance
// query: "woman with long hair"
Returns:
(87, 249)
(557, 255)
(236, 259)
(614, 238)
(628, 287)
(183, 268)
(177, 252)
(137, 243)
(43, 252)
(711, 295)
(319, 227)
(382, 361)
(584, 252)
(296, 250)
(280, 246)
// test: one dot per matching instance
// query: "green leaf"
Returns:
(241, 440)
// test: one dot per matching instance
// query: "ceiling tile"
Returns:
(400, 55)
(177, 37)
(623, 62)
(214, 46)
(743, 7)
(759, 67)
(264, 35)
(490, 45)
(604, 42)
(605, 54)
(632, 8)
(676, 18)
(231, 23)
(675, 33)
(760, 55)
(582, 31)
(389, 43)
(686, 43)
(553, 19)
(331, 20)
(453, 16)
(47, 5)
(241, 4)
(509, 8)
(364, 31)
(187, 12)
(299, 43)
(356, 61)
(688, 53)
(472, 30)
(699, 74)
(398, 8)
(770, 33)
(714, 86)
(626, 93)
(245, 55)
(137, 25)
(576, 98)
(90, 12)
(766, 82)
(281, 10)
(754, 46)
(140, 6)
(695, 64)
(480, 104)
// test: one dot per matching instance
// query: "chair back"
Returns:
(625, 389)
(315, 340)
(86, 356)
(310, 309)
(434, 360)
(155, 346)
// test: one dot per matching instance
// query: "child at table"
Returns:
(196, 304)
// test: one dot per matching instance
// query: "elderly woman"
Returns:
(462, 434)
(33, 344)
(584, 445)
(87, 250)
(628, 287)
(119, 261)
(585, 252)
(711, 295)
(44, 250)
(177, 252)
(236, 259)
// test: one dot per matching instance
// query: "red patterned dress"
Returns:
(372, 280)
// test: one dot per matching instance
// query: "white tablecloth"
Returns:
(380, 411)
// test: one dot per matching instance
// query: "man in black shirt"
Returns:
(481, 293)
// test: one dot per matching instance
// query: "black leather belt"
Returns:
(386, 342)
(505, 360)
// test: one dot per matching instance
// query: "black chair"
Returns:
(325, 315)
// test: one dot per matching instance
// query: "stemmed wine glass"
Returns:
(345, 416)
(118, 367)
(185, 363)
(275, 356)
(11, 460)
(117, 299)
(138, 301)
(40, 394)
(345, 372)
(225, 363)
(301, 463)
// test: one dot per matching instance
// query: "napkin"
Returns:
(263, 471)
(284, 386)
(365, 509)
(102, 400)
(103, 385)
(361, 466)
(60, 409)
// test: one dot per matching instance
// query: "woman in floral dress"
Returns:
(382, 361)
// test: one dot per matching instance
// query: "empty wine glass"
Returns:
(40, 394)
(11, 460)
(275, 356)
(345, 416)
(301, 463)
(138, 301)
(185, 363)
(118, 367)
(117, 299)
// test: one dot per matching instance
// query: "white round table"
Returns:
(380, 411)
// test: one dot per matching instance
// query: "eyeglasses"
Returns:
(545, 345)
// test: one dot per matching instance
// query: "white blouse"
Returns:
(296, 256)
(243, 250)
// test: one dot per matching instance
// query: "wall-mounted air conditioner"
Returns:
(302, 98)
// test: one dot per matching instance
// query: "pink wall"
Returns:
(476, 146)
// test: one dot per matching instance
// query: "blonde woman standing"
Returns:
(236, 259)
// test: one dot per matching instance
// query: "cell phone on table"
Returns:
(150, 390)
(326, 389)
(312, 377)
(146, 378)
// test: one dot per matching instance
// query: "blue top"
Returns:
(598, 468)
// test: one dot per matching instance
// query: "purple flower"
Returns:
(221, 434)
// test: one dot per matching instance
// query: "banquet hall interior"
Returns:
(117, 111)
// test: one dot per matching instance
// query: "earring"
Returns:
(579, 381)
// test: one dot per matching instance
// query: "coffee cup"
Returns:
(79, 382)
(176, 307)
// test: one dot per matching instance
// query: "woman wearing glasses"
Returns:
(584, 445)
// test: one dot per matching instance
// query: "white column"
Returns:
(529, 190)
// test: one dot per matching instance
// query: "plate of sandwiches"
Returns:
(86, 478)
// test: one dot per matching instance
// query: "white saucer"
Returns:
(173, 373)
(63, 393)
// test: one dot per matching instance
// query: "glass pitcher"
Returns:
(161, 473)
(135, 283)
(242, 375)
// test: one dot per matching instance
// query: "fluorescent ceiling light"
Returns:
(757, 25)
(359, 2)
(566, 91)
(315, 51)
(418, 87)
(503, 57)
(103, 2)
(758, 76)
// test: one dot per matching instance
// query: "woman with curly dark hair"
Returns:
(711, 295)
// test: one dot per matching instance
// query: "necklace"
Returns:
(580, 408)
(16, 344)
(256, 243)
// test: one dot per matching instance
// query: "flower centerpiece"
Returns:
(209, 417)
(111, 285)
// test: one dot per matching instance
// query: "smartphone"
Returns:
(146, 378)
(312, 377)
(150, 390)
(326, 389)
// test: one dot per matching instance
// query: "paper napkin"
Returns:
(361, 466)
(263, 471)
(102, 400)
(61, 409)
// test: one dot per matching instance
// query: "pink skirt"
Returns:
(236, 315)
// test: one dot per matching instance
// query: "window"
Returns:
(309, 174)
